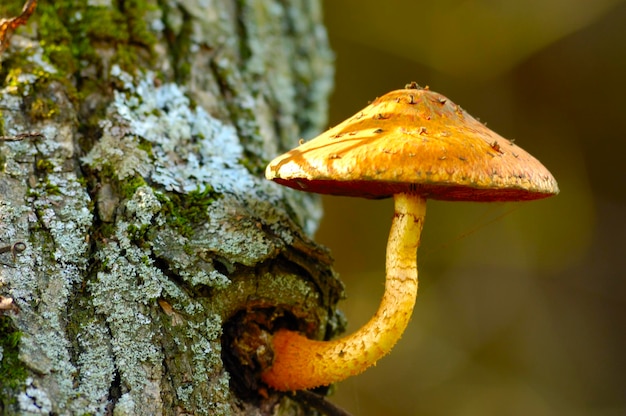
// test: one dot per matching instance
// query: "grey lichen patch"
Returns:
(244, 242)
(194, 346)
(125, 406)
(207, 364)
(34, 401)
(189, 147)
(123, 291)
(62, 208)
(46, 206)
(144, 207)
(56, 217)
(119, 150)
(212, 278)
(96, 368)
(126, 291)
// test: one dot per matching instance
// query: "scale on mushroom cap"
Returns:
(413, 144)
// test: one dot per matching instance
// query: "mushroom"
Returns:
(412, 144)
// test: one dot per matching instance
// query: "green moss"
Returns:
(138, 234)
(134, 11)
(146, 146)
(105, 229)
(43, 108)
(129, 185)
(52, 189)
(69, 31)
(15, 68)
(12, 371)
(126, 188)
(44, 166)
(56, 40)
(21, 76)
(108, 19)
(184, 211)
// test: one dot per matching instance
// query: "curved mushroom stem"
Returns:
(301, 363)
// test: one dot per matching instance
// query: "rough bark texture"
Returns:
(156, 253)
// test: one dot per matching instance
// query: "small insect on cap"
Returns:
(414, 140)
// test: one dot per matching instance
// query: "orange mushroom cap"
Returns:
(414, 140)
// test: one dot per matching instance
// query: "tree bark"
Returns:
(154, 257)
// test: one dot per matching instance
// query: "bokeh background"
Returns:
(522, 306)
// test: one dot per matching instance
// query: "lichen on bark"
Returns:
(149, 228)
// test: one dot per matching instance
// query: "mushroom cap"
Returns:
(414, 140)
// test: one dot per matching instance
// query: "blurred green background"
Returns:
(521, 306)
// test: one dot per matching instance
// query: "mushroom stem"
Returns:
(301, 363)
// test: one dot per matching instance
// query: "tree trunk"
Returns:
(146, 259)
